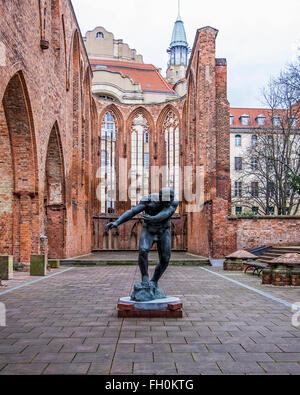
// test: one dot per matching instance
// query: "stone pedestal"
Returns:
(54, 263)
(233, 265)
(267, 276)
(236, 261)
(281, 276)
(38, 265)
(169, 307)
(6, 267)
(295, 276)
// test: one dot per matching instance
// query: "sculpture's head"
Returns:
(166, 196)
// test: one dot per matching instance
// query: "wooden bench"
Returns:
(256, 267)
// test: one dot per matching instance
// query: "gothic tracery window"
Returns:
(140, 156)
(108, 157)
(172, 154)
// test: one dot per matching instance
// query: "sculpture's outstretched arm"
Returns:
(127, 216)
(164, 214)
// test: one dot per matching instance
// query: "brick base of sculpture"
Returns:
(161, 308)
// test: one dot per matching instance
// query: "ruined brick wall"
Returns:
(43, 70)
(207, 145)
(49, 139)
(127, 236)
(253, 233)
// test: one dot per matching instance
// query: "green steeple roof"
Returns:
(179, 36)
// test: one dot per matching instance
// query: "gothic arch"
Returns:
(191, 124)
(42, 17)
(75, 171)
(54, 195)
(115, 110)
(86, 131)
(111, 147)
(147, 115)
(65, 51)
(133, 147)
(169, 128)
(94, 153)
(160, 121)
(55, 26)
(19, 208)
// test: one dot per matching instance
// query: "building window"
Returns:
(276, 121)
(238, 189)
(261, 120)
(254, 141)
(108, 158)
(100, 35)
(106, 97)
(254, 189)
(271, 189)
(231, 119)
(254, 164)
(140, 149)
(245, 120)
(293, 122)
(238, 211)
(271, 211)
(238, 163)
(146, 160)
(238, 140)
(255, 210)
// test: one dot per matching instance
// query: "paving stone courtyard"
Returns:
(67, 323)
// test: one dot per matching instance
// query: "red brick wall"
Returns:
(45, 88)
(253, 233)
(36, 92)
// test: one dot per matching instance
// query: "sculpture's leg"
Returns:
(164, 252)
(146, 243)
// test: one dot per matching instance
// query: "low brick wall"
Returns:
(269, 231)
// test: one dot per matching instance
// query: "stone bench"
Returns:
(38, 265)
(6, 267)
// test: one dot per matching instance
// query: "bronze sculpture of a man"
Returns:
(158, 210)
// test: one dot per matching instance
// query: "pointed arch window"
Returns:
(140, 156)
(108, 158)
(172, 151)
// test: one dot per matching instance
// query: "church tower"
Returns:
(178, 52)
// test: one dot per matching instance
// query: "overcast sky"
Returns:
(258, 37)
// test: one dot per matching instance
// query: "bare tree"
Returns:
(272, 163)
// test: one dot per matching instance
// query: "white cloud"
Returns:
(258, 38)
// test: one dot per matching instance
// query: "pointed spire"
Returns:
(179, 16)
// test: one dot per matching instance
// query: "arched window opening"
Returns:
(99, 35)
(140, 156)
(55, 25)
(108, 158)
(172, 151)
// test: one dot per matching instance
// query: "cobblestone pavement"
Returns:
(133, 255)
(67, 324)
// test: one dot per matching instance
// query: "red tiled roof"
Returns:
(242, 254)
(253, 113)
(146, 74)
(288, 258)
